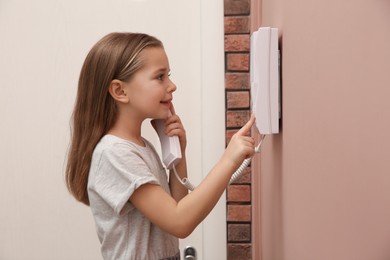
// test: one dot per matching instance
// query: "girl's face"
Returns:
(150, 90)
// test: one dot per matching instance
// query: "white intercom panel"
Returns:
(264, 77)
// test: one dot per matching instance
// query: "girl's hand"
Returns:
(241, 146)
(174, 126)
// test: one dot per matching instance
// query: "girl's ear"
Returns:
(117, 91)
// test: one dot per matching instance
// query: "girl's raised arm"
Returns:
(181, 218)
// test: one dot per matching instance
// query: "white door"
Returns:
(43, 44)
(197, 61)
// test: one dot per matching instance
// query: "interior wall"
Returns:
(325, 183)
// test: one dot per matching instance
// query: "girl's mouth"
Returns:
(166, 103)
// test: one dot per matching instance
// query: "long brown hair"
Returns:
(115, 56)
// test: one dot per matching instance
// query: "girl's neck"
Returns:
(137, 139)
(129, 131)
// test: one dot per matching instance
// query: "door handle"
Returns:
(190, 253)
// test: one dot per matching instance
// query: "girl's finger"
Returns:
(172, 109)
(174, 127)
(172, 119)
(245, 129)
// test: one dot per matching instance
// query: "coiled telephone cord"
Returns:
(236, 175)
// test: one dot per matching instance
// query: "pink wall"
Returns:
(325, 180)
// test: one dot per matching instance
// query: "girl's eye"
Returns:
(161, 77)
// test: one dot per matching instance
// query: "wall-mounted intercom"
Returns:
(264, 78)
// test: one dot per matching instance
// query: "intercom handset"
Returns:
(171, 151)
(170, 145)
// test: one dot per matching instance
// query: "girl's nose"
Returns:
(171, 86)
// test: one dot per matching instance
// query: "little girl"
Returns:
(139, 212)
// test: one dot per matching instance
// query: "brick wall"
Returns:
(237, 39)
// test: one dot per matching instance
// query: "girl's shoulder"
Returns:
(110, 140)
(113, 142)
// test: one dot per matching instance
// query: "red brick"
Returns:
(239, 193)
(239, 251)
(239, 213)
(237, 81)
(236, 7)
(236, 24)
(237, 62)
(237, 118)
(238, 99)
(237, 42)
(239, 233)
(245, 178)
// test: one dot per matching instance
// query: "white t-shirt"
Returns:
(118, 168)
